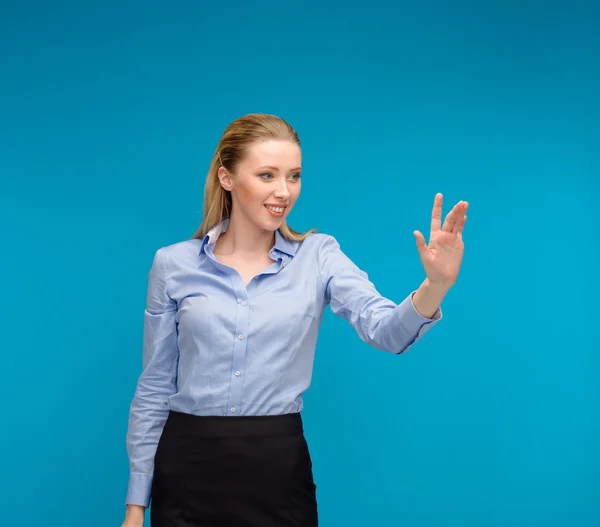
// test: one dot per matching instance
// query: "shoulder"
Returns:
(325, 251)
(317, 240)
(319, 246)
(322, 240)
(177, 254)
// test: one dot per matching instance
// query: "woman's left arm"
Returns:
(379, 321)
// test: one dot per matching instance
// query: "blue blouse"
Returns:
(213, 346)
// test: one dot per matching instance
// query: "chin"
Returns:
(270, 222)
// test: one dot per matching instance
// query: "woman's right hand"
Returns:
(134, 517)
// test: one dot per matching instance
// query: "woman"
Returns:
(215, 435)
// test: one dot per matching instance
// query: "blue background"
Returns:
(109, 115)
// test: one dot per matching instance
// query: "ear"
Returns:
(225, 179)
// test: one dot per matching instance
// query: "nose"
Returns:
(282, 191)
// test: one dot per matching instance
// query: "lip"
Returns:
(278, 205)
(276, 214)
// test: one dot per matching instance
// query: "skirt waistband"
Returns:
(232, 426)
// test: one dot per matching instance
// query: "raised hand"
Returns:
(442, 258)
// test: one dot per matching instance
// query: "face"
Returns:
(266, 184)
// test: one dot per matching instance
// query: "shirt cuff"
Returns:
(412, 321)
(436, 316)
(139, 490)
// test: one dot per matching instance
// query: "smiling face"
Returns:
(266, 184)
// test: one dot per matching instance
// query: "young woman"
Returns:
(230, 327)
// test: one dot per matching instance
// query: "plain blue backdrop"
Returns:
(109, 115)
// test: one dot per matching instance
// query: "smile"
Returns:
(274, 210)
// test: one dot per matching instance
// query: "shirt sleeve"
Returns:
(149, 407)
(379, 322)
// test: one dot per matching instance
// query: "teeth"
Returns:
(275, 209)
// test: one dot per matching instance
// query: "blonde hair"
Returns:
(235, 141)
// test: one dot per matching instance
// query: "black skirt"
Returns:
(242, 471)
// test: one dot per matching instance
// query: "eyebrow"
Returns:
(276, 169)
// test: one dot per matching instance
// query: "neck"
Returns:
(244, 238)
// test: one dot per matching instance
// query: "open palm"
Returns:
(442, 258)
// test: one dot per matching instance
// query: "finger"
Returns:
(462, 225)
(421, 245)
(420, 239)
(436, 215)
(451, 218)
(454, 218)
(461, 218)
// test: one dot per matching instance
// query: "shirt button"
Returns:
(233, 410)
(241, 337)
(237, 373)
(243, 302)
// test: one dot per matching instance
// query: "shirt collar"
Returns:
(281, 244)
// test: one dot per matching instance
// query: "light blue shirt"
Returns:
(213, 346)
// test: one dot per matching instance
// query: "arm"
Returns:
(377, 320)
(149, 408)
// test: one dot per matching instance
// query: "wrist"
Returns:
(437, 288)
(135, 511)
(428, 298)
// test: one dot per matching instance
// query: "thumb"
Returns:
(421, 245)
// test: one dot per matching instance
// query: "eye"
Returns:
(265, 176)
(296, 176)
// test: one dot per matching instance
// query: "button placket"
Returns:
(239, 348)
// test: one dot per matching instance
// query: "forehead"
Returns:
(280, 154)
